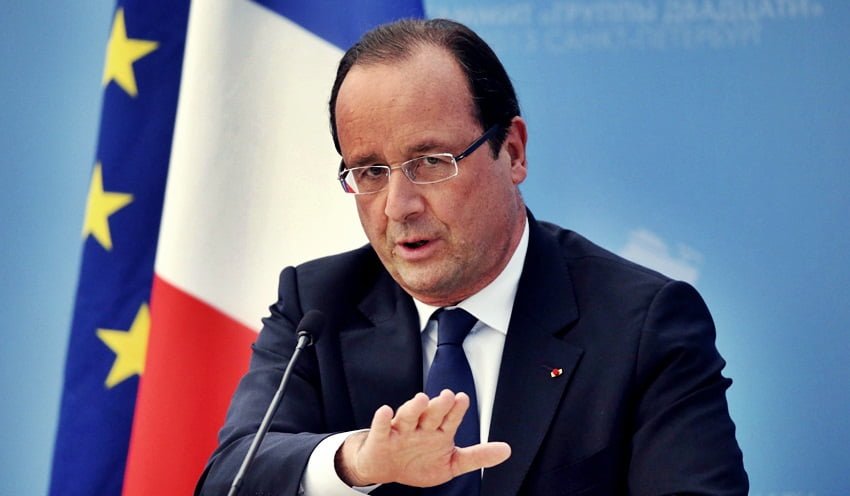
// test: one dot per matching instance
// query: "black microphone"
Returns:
(308, 331)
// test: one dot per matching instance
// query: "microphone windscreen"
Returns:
(313, 323)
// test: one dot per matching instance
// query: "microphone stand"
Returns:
(305, 339)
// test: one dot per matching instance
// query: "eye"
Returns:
(436, 161)
(430, 168)
(375, 171)
(369, 173)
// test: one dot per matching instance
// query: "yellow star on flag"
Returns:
(121, 53)
(130, 347)
(99, 206)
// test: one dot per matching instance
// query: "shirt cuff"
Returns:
(320, 477)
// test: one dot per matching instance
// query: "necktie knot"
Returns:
(453, 325)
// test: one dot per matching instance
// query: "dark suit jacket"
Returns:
(639, 409)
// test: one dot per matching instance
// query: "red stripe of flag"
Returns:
(170, 441)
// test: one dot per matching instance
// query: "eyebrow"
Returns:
(425, 148)
(364, 161)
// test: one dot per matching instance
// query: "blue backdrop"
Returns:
(707, 138)
(711, 140)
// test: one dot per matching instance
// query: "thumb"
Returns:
(484, 455)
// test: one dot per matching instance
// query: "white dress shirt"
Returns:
(492, 306)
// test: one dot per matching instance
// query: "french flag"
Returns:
(245, 185)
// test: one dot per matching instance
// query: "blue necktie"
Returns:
(450, 370)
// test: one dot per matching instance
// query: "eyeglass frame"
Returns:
(344, 171)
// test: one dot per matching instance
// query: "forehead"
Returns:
(401, 103)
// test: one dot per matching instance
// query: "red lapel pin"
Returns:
(555, 373)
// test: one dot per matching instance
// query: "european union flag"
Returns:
(110, 326)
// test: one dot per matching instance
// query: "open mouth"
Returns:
(415, 244)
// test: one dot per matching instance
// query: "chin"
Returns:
(428, 285)
(419, 286)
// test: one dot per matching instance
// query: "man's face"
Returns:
(446, 241)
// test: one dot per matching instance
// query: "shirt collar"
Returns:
(493, 304)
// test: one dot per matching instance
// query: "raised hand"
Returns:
(415, 446)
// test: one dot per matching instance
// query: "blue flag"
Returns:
(110, 325)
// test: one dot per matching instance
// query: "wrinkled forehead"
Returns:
(403, 101)
(432, 72)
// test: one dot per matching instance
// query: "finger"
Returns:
(381, 423)
(455, 415)
(433, 416)
(479, 456)
(407, 416)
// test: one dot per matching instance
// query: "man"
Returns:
(589, 374)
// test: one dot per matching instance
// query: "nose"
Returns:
(404, 199)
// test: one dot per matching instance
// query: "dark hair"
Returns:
(493, 96)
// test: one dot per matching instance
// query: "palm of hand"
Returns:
(416, 446)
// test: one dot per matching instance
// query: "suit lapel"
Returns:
(382, 358)
(536, 363)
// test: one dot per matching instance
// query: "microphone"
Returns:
(308, 332)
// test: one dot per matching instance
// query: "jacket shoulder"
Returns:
(582, 254)
(334, 281)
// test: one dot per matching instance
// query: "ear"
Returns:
(515, 142)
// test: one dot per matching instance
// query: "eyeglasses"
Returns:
(428, 169)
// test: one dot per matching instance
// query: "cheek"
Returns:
(488, 209)
(371, 213)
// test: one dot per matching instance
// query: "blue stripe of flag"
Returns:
(342, 22)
